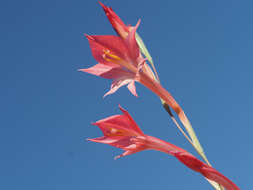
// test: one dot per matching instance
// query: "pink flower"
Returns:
(118, 59)
(122, 132)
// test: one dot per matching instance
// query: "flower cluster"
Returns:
(121, 58)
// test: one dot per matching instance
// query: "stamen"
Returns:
(116, 132)
(114, 56)
(110, 55)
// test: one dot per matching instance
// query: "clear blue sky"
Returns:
(203, 53)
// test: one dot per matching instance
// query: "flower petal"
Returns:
(129, 152)
(104, 140)
(117, 83)
(116, 22)
(100, 44)
(100, 70)
(119, 142)
(105, 71)
(131, 88)
(119, 125)
(132, 44)
(130, 121)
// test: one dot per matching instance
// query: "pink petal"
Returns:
(120, 142)
(123, 142)
(109, 72)
(115, 121)
(102, 43)
(131, 88)
(112, 119)
(99, 70)
(129, 152)
(116, 22)
(122, 122)
(104, 140)
(130, 121)
(115, 129)
(132, 44)
(117, 141)
(116, 84)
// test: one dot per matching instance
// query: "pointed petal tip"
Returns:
(89, 37)
(136, 26)
(94, 123)
(106, 94)
(117, 157)
(122, 109)
(105, 8)
(109, 92)
(131, 87)
(91, 140)
(138, 23)
(102, 5)
(85, 70)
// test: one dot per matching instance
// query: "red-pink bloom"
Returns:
(119, 59)
(122, 132)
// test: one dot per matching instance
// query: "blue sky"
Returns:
(203, 54)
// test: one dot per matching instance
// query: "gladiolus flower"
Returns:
(122, 132)
(119, 59)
